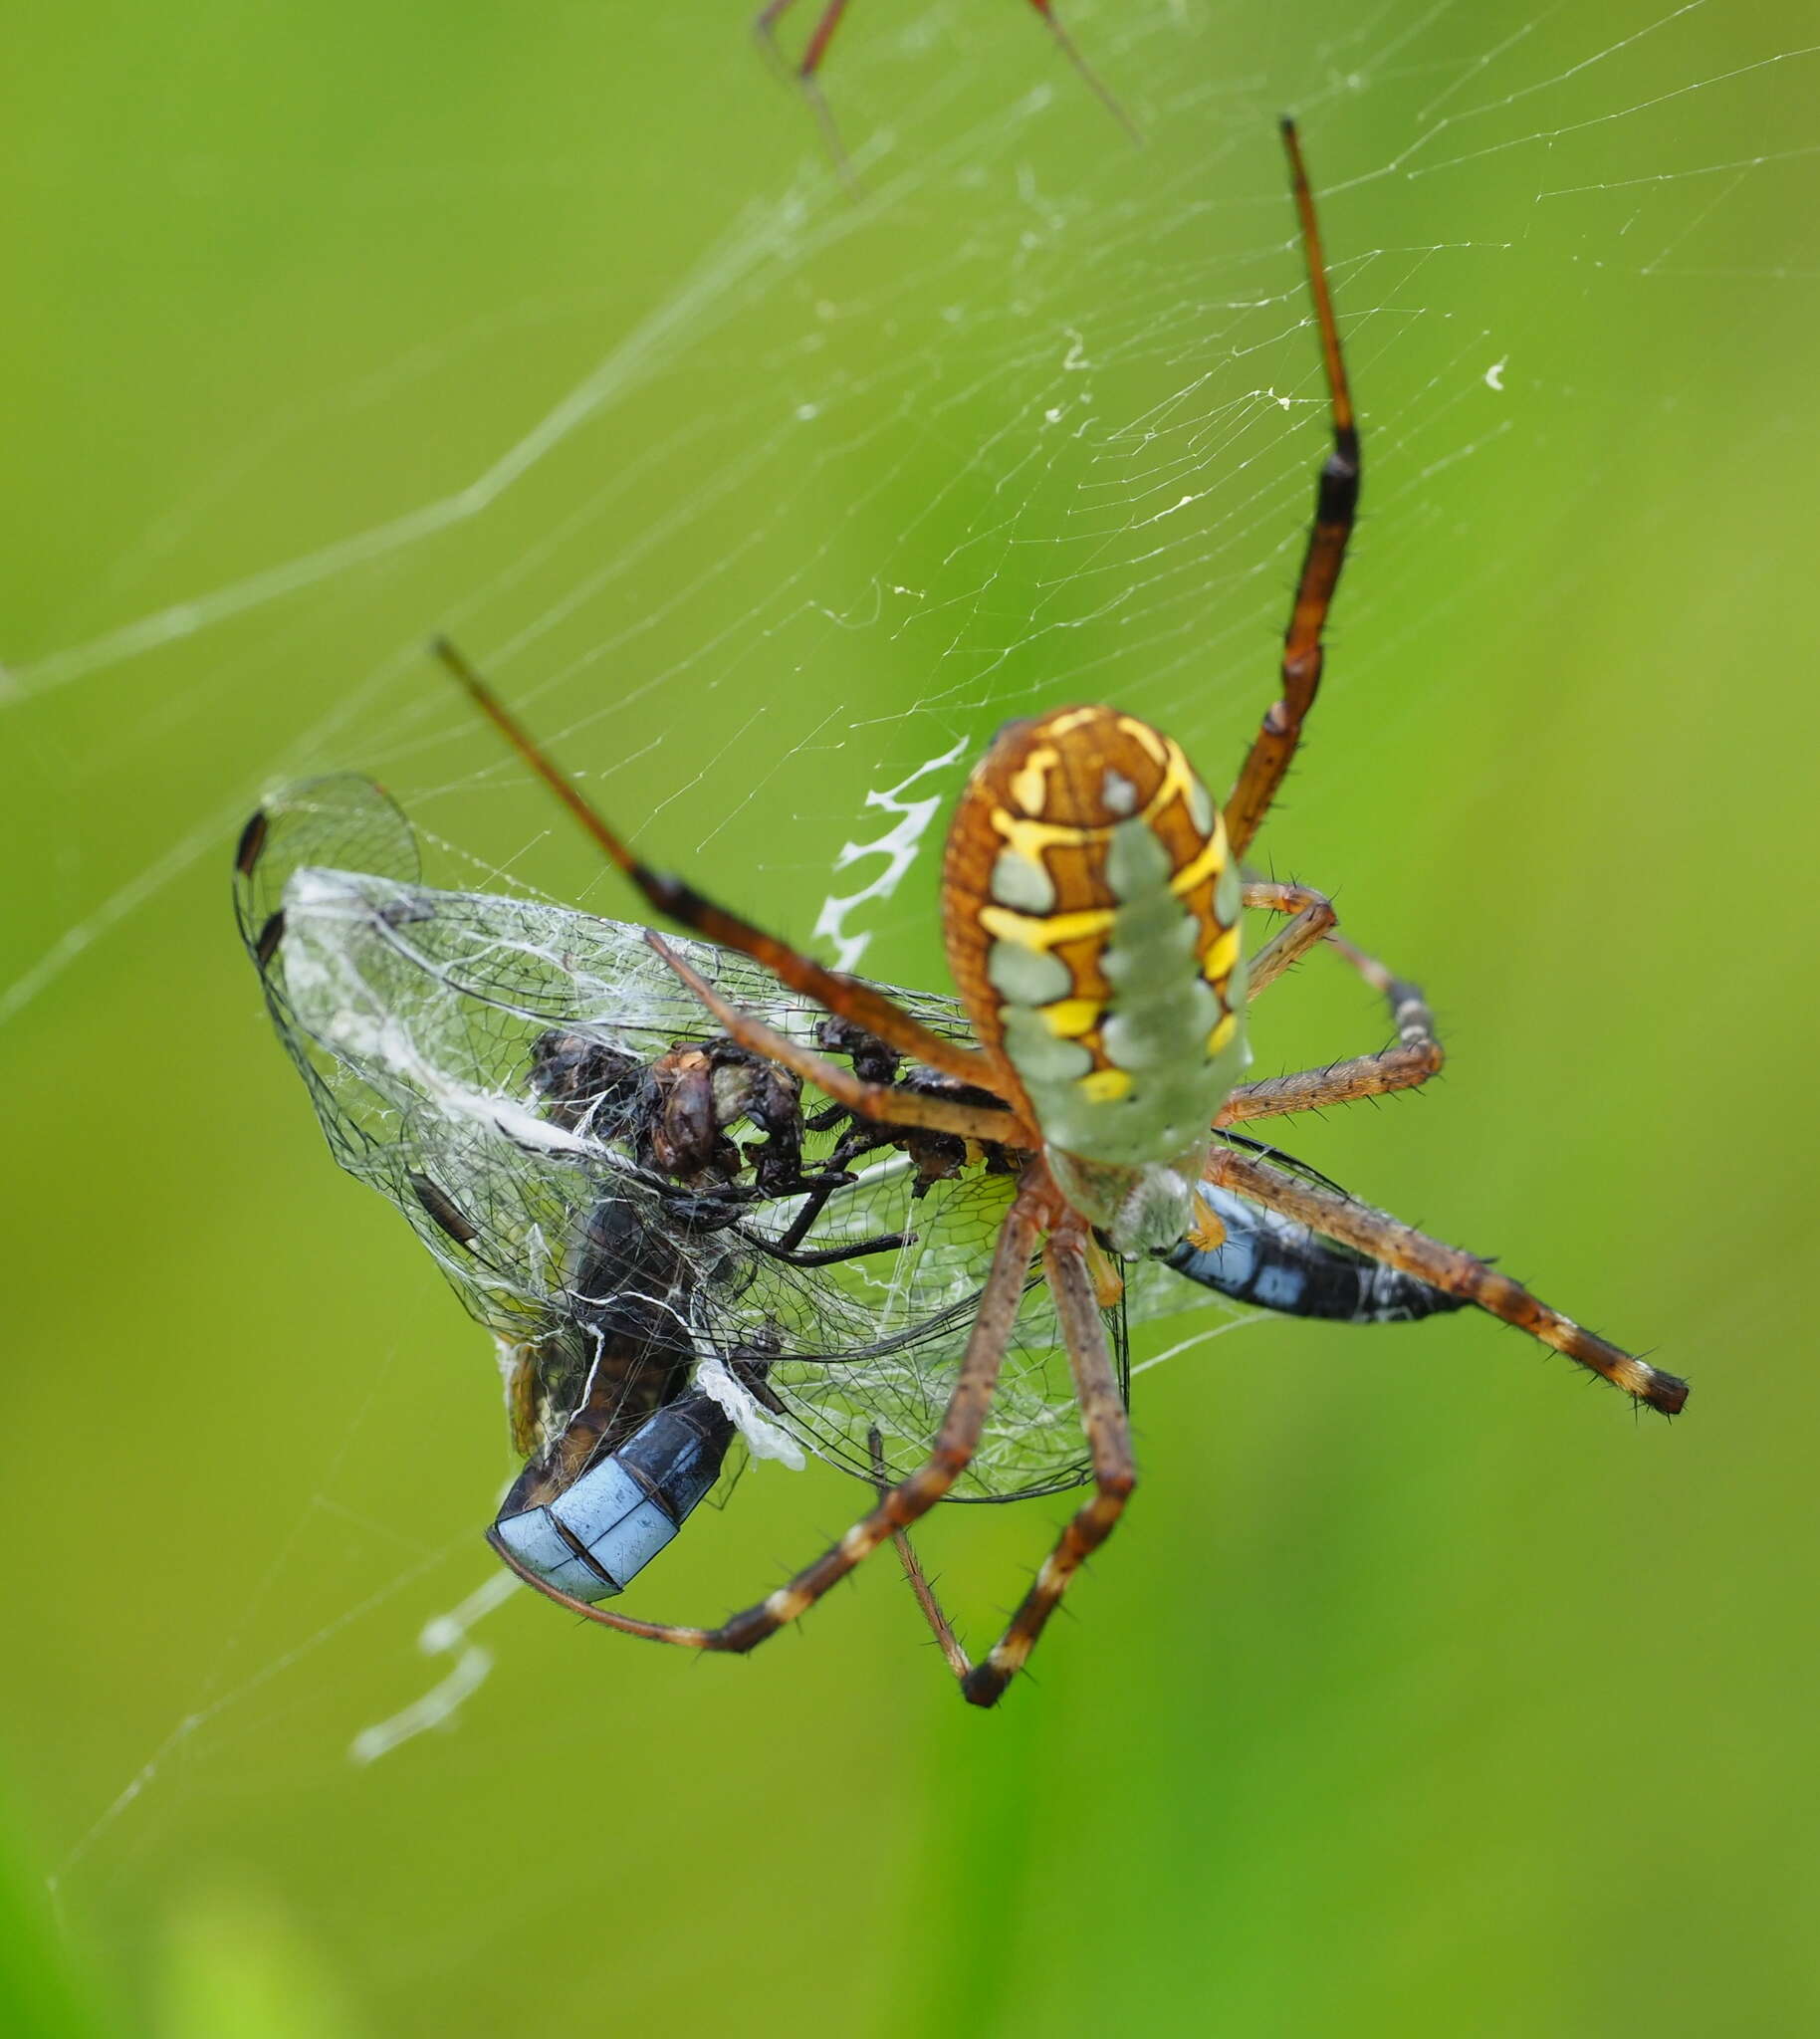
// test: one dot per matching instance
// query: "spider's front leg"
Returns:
(1336, 503)
(851, 997)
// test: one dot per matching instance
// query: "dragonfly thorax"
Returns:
(1091, 913)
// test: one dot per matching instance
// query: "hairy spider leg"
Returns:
(963, 1424)
(920, 1583)
(1314, 915)
(861, 1002)
(1417, 1056)
(1335, 506)
(1449, 1268)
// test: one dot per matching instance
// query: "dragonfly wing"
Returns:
(419, 1020)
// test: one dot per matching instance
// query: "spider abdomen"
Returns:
(1091, 914)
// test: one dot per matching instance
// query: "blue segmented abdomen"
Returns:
(1278, 1264)
(607, 1525)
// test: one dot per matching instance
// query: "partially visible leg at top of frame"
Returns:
(1088, 76)
(848, 996)
(951, 1645)
(814, 51)
(1335, 504)
(810, 65)
(765, 27)
(1417, 1056)
(1108, 1428)
(1449, 1268)
(955, 1444)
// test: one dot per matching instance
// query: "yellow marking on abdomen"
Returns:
(1209, 862)
(1044, 931)
(1031, 781)
(1221, 1034)
(1104, 1086)
(1032, 837)
(1217, 964)
(1069, 1018)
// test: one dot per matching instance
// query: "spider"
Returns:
(1092, 893)
(809, 65)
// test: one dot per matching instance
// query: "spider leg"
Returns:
(1313, 915)
(1417, 1056)
(952, 1647)
(808, 66)
(1335, 504)
(1086, 72)
(1449, 1268)
(815, 48)
(849, 996)
(765, 27)
(1108, 1428)
(882, 1101)
(955, 1444)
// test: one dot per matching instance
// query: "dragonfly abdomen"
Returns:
(594, 1538)
(1278, 1264)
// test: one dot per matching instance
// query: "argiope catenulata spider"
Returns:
(1092, 894)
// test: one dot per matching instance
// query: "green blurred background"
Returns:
(1422, 1691)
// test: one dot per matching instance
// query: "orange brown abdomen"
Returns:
(1092, 925)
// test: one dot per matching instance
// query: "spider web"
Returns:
(764, 537)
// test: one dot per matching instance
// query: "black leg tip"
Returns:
(982, 1686)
